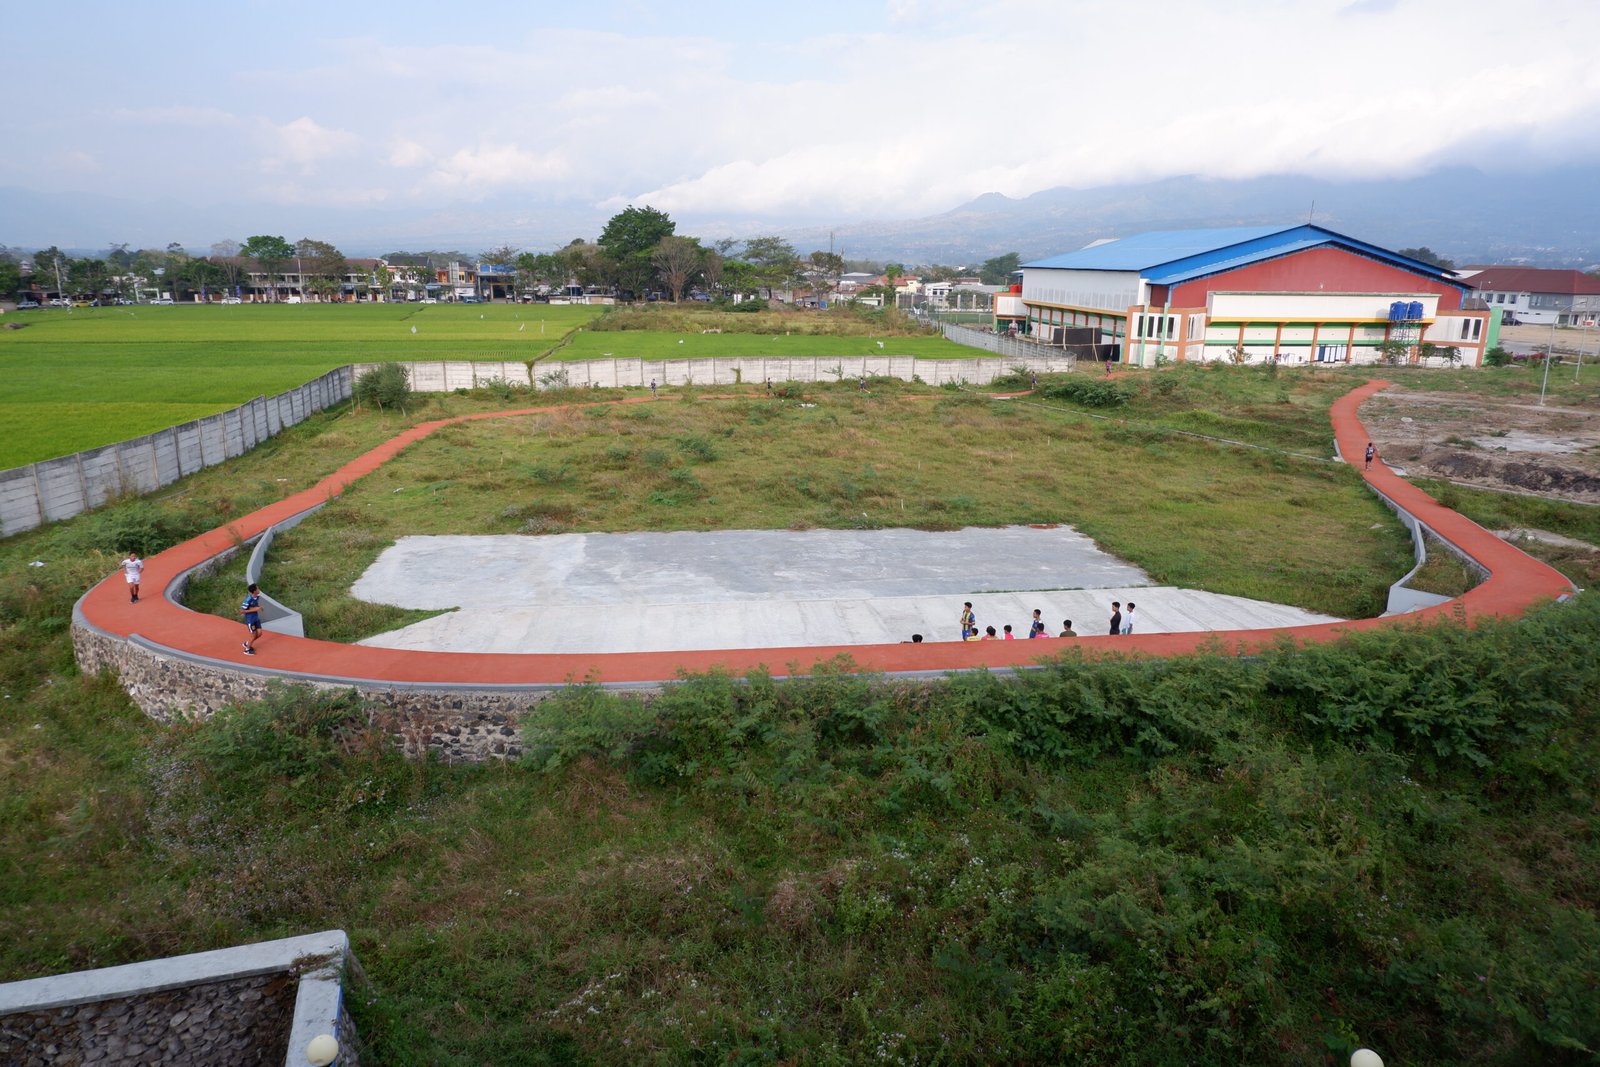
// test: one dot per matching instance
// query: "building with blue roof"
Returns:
(1299, 294)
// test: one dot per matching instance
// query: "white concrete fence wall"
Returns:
(56, 489)
(1020, 348)
(443, 377)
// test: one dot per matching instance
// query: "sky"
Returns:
(287, 116)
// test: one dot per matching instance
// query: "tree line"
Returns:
(639, 253)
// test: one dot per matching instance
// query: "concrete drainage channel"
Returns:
(232, 1005)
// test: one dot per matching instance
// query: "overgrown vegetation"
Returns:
(844, 459)
(1387, 842)
(386, 387)
(759, 316)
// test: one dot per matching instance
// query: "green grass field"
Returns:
(83, 378)
(850, 460)
(1386, 842)
(606, 344)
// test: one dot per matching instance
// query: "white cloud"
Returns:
(304, 142)
(407, 153)
(482, 168)
(841, 110)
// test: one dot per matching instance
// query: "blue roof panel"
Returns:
(1167, 257)
(1147, 250)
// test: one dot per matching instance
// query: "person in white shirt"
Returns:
(133, 571)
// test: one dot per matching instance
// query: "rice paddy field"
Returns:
(88, 377)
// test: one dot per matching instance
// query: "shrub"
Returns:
(387, 385)
(1497, 357)
(1088, 392)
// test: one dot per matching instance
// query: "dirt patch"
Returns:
(1492, 442)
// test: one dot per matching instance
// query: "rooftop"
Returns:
(1167, 257)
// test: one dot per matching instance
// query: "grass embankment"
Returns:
(658, 332)
(84, 378)
(1191, 512)
(1514, 511)
(1516, 381)
(1390, 842)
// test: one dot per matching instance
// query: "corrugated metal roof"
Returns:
(1167, 257)
(1146, 250)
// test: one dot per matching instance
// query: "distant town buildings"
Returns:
(1536, 296)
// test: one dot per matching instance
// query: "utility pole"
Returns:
(1549, 356)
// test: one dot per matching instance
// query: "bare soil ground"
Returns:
(1491, 442)
(1502, 440)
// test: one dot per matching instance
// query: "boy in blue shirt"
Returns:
(251, 610)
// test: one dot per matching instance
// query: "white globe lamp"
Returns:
(322, 1050)
(1365, 1057)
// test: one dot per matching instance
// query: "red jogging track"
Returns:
(1516, 582)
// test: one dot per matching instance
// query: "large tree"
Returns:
(997, 271)
(88, 277)
(629, 240)
(50, 268)
(542, 270)
(10, 273)
(225, 254)
(772, 259)
(822, 269)
(202, 276)
(676, 260)
(272, 253)
(1428, 255)
(322, 266)
(504, 256)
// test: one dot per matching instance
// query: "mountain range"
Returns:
(1550, 218)
(1543, 218)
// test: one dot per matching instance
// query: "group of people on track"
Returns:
(1120, 622)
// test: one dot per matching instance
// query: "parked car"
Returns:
(82, 304)
(162, 300)
(27, 305)
(231, 300)
(60, 302)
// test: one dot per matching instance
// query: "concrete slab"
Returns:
(575, 593)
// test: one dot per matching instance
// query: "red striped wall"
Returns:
(1313, 270)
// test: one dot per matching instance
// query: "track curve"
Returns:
(1516, 582)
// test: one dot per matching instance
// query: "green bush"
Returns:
(1497, 357)
(1086, 391)
(133, 525)
(385, 386)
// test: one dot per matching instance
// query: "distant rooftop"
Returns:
(1532, 280)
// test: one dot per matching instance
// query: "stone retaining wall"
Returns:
(459, 725)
